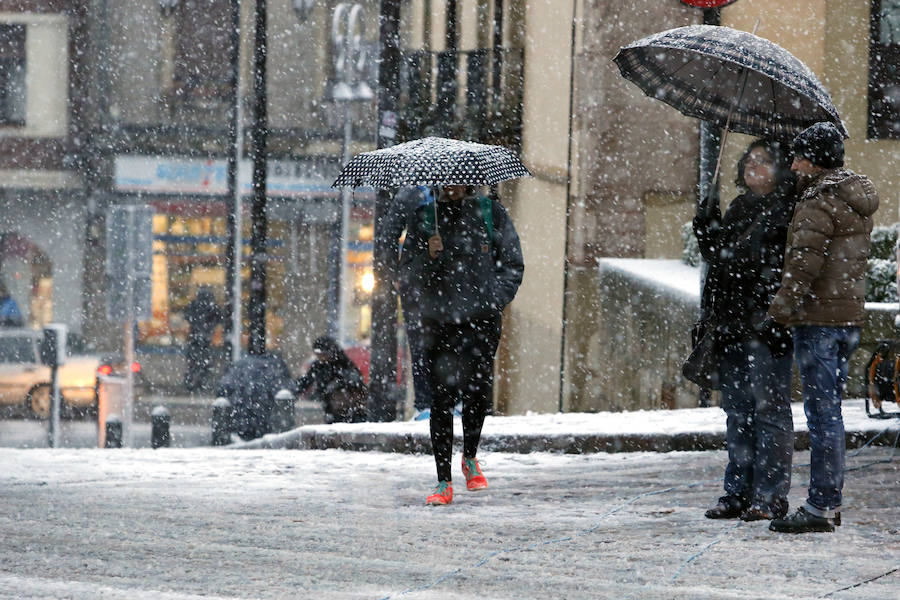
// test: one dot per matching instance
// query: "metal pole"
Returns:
(344, 286)
(710, 144)
(259, 225)
(497, 52)
(53, 437)
(233, 247)
(383, 367)
(129, 334)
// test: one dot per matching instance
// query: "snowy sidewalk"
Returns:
(577, 433)
(206, 523)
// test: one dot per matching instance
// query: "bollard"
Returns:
(159, 428)
(113, 432)
(221, 422)
(283, 414)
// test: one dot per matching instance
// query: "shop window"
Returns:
(189, 253)
(12, 75)
(27, 272)
(884, 70)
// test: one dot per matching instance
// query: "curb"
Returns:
(324, 438)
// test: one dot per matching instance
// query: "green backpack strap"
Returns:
(487, 214)
(428, 218)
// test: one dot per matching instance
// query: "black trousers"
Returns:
(460, 366)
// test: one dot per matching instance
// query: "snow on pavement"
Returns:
(181, 524)
(682, 421)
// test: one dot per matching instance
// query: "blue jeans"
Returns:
(760, 429)
(823, 355)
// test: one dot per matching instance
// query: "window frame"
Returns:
(6, 74)
(881, 58)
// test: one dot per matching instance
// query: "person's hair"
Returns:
(328, 346)
(781, 157)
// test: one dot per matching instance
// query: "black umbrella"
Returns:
(732, 78)
(432, 161)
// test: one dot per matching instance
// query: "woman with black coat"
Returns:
(461, 264)
(745, 253)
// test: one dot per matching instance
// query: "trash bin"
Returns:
(111, 392)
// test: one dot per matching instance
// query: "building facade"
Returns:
(43, 131)
(106, 102)
(168, 93)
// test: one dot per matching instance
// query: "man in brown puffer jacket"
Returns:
(822, 299)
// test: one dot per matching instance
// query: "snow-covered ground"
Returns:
(179, 524)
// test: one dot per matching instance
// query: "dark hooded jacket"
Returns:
(203, 315)
(333, 375)
(745, 252)
(475, 276)
(824, 281)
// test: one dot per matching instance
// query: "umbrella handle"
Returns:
(728, 120)
(435, 218)
(722, 148)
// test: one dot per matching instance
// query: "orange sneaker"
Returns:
(443, 494)
(474, 478)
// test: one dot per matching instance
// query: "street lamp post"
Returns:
(256, 310)
(383, 365)
(350, 63)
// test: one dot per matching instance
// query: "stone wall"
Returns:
(624, 351)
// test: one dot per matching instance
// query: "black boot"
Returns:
(728, 507)
(804, 521)
(766, 511)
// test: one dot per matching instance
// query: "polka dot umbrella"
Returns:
(432, 161)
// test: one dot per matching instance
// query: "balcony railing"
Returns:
(466, 94)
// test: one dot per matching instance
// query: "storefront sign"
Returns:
(195, 176)
(707, 3)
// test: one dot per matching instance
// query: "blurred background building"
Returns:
(106, 102)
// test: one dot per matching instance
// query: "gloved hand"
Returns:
(781, 309)
(435, 246)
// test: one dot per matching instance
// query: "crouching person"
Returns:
(336, 382)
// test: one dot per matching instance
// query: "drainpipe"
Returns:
(565, 306)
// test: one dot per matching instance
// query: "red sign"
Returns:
(707, 3)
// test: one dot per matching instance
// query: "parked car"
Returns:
(24, 381)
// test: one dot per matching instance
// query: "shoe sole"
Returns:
(796, 531)
(721, 516)
(476, 488)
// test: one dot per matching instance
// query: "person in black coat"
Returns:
(336, 382)
(745, 253)
(461, 264)
(203, 315)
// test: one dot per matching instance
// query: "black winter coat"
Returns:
(474, 277)
(203, 315)
(745, 253)
(327, 377)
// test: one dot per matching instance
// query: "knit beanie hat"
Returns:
(822, 144)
